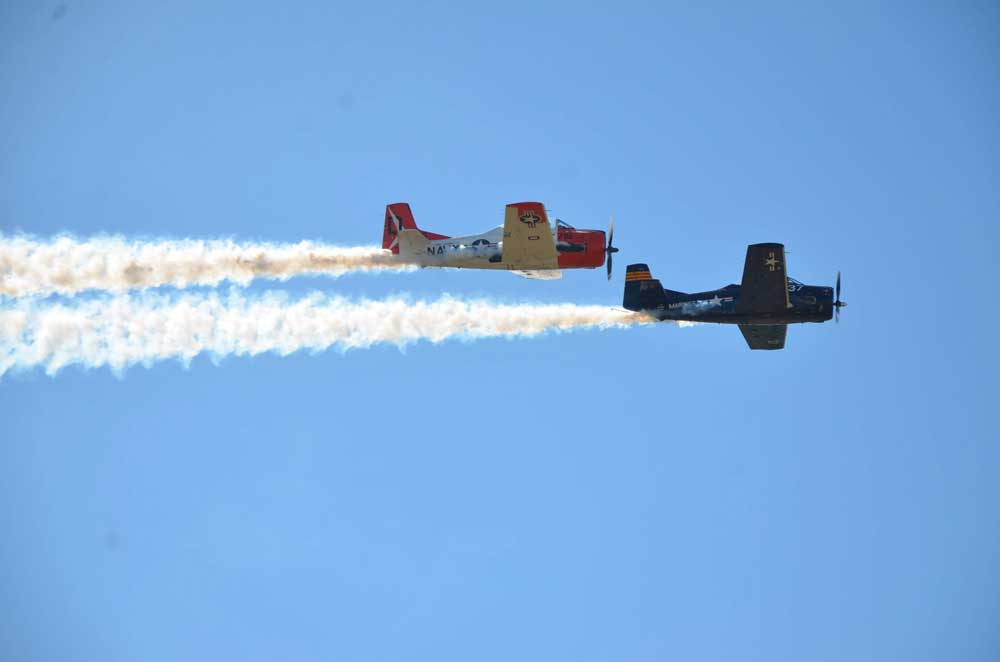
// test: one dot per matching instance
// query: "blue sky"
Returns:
(638, 494)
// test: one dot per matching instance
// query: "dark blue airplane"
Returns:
(763, 306)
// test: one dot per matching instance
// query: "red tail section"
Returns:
(399, 217)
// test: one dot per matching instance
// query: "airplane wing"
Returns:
(759, 336)
(527, 238)
(765, 282)
(547, 274)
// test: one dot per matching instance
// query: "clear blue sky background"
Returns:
(656, 493)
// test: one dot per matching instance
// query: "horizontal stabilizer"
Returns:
(412, 244)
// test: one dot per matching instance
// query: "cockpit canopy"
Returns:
(563, 224)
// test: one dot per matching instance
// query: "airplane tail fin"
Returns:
(643, 292)
(398, 218)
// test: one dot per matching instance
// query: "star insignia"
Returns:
(530, 218)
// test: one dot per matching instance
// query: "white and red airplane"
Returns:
(525, 244)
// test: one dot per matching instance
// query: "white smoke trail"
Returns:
(125, 330)
(67, 266)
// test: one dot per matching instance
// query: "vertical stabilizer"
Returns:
(398, 217)
(643, 292)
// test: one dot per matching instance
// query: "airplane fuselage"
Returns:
(575, 248)
(479, 251)
(808, 303)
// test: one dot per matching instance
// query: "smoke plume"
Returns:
(145, 328)
(67, 266)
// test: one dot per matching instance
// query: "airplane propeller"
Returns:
(838, 304)
(610, 250)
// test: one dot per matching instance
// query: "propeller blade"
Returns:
(838, 304)
(610, 250)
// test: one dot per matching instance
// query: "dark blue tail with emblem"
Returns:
(643, 292)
